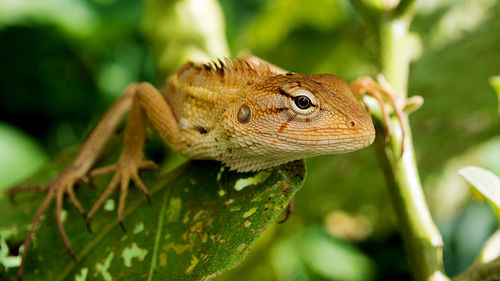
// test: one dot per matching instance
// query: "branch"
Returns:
(422, 239)
(405, 7)
(178, 32)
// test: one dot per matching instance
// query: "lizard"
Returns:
(246, 113)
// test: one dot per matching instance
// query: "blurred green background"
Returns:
(64, 62)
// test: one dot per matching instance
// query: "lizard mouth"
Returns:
(341, 143)
(325, 141)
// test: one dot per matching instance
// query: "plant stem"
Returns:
(178, 32)
(405, 7)
(422, 239)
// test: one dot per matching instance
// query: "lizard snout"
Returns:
(361, 127)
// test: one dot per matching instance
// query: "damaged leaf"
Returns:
(199, 224)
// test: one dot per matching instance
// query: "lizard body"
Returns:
(246, 113)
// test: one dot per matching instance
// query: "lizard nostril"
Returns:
(352, 124)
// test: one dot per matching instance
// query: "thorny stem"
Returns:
(422, 239)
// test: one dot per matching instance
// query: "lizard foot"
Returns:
(125, 170)
(56, 189)
(366, 85)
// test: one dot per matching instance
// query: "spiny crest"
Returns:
(237, 67)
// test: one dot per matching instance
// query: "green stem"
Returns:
(405, 7)
(178, 32)
(393, 53)
(422, 239)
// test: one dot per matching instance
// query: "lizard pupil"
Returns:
(302, 102)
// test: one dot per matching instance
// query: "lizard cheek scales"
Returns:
(244, 114)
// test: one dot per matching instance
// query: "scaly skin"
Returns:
(206, 99)
(247, 113)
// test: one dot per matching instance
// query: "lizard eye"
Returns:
(302, 102)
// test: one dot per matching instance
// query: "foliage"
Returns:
(485, 185)
(202, 221)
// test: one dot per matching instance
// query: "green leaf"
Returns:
(485, 185)
(197, 226)
(20, 155)
(491, 249)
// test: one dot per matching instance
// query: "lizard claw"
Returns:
(122, 226)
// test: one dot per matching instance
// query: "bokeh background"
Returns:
(62, 63)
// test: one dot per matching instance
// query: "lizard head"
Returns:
(304, 115)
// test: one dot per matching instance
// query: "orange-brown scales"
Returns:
(253, 116)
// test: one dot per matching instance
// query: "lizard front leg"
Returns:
(147, 104)
(142, 97)
(366, 86)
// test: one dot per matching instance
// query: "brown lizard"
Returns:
(247, 114)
